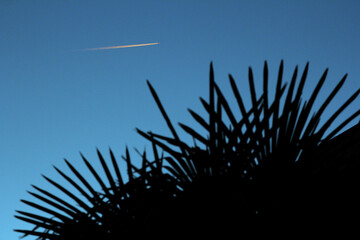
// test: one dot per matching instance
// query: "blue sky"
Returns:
(56, 101)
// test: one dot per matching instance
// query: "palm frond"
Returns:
(272, 150)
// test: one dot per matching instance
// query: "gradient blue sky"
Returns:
(56, 101)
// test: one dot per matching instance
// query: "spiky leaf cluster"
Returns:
(245, 173)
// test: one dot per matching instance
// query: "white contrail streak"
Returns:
(122, 46)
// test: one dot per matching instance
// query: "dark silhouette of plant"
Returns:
(263, 170)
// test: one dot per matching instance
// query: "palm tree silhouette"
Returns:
(271, 168)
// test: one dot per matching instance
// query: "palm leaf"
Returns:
(68, 193)
(42, 235)
(116, 167)
(337, 113)
(83, 180)
(47, 210)
(96, 175)
(61, 201)
(40, 218)
(241, 164)
(107, 171)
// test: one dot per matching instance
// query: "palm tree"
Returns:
(237, 178)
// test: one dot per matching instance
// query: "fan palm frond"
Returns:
(266, 163)
(117, 209)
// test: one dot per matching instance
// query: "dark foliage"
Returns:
(263, 171)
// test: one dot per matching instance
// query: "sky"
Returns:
(57, 100)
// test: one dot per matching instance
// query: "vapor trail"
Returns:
(122, 46)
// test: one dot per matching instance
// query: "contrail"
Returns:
(122, 46)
